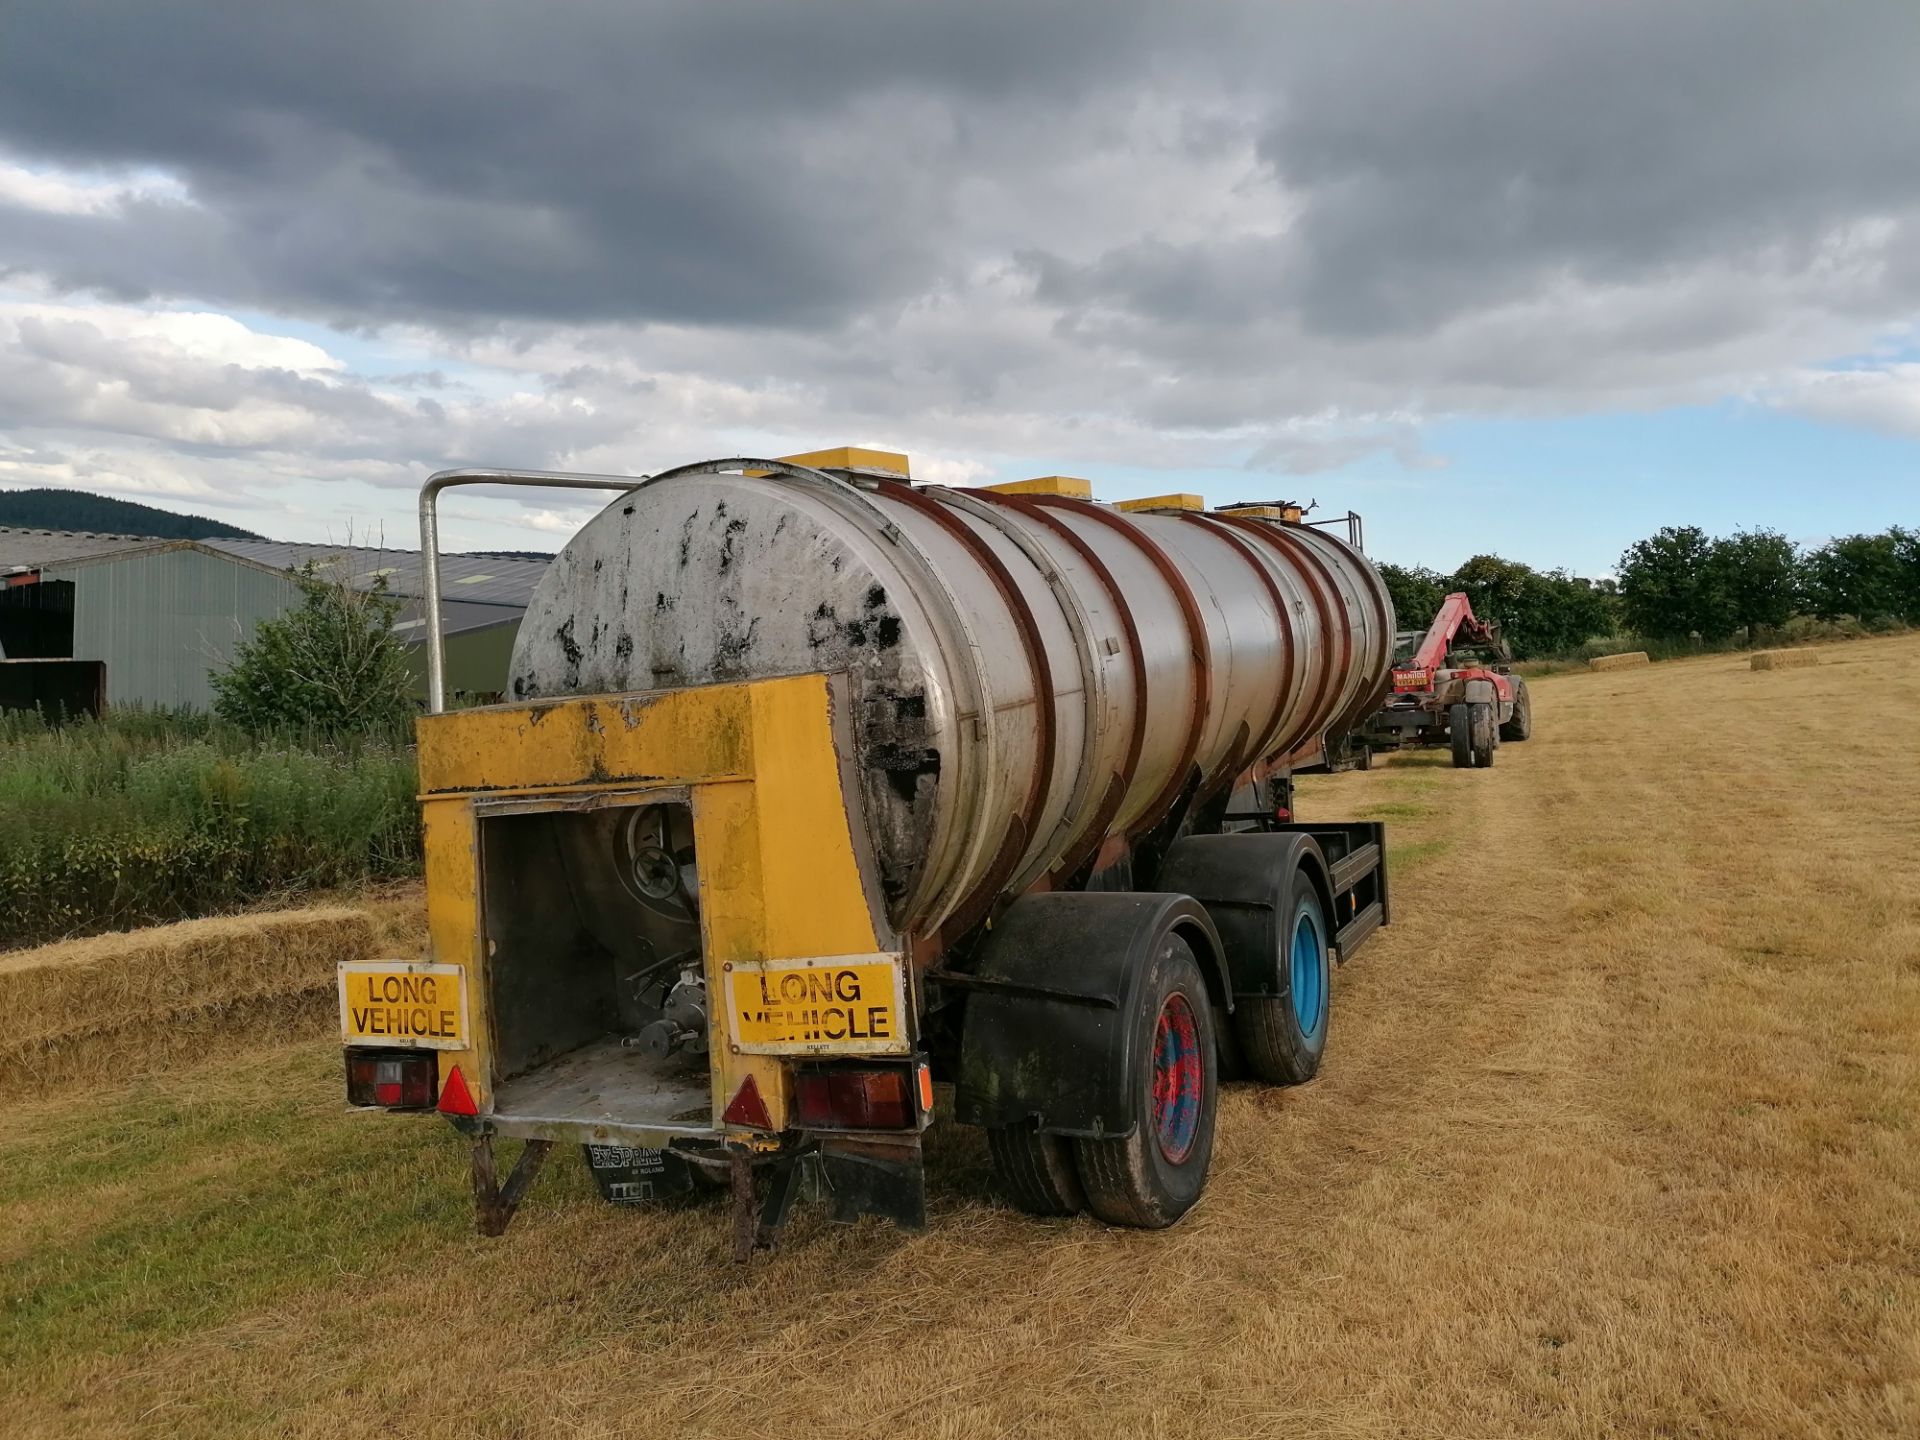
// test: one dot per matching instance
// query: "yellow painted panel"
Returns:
(1047, 485)
(811, 887)
(674, 737)
(851, 457)
(1264, 512)
(453, 923)
(1180, 501)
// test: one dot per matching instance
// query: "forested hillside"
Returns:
(47, 509)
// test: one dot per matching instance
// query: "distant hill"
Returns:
(45, 509)
(508, 554)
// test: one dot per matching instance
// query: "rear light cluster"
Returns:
(891, 1099)
(393, 1079)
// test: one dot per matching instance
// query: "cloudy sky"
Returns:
(1534, 276)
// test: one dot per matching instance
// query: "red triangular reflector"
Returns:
(455, 1098)
(748, 1108)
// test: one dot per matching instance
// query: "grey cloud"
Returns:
(860, 212)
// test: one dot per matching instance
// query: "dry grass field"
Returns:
(1619, 1136)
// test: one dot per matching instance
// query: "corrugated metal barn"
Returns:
(165, 615)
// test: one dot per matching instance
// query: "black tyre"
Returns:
(1520, 725)
(1484, 732)
(1152, 1177)
(1460, 732)
(1283, 1036)
(1036, 1171)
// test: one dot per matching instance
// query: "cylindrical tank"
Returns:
(1031, 673)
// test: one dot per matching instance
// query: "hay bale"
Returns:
(143, 999)
(1783, 659)
(1618, 662)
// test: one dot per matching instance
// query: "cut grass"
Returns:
(115, 1005)
(1615, 1137)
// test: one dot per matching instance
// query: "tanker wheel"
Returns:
(1520, 726)
(1485, 733)
(1035, 1170)
(1460, 732)
(1283, 1036)
(1152, 1177)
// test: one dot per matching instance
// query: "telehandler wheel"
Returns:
(1460, 732)
(1520, 726)
(1149, 1179)
(1486, 734)
(1035, 1170)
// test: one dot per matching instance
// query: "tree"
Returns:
(1541, 612)
(1870, 577)
(1671, 587)
(1417, 593)
(331, 664)
(1757, 575)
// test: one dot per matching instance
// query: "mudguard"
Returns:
(1050, 1007)
(1243, 881)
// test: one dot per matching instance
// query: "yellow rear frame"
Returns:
(784, 870)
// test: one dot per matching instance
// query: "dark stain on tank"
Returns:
(628, 510)
(907, 770)
(570, 649)
(876, 596)
(662, 602)
(686, 536)
(623, 646)
(597, 564)
(780, 525)
(730, 650)
(886, 631)
(727, 537)
(855, 631)
(822, 626)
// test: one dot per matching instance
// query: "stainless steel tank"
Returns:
(1033, 673)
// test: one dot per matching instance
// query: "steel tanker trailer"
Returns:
(815, 786)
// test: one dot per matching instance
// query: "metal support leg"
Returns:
(746, 1229)
(494, 1204)
(788, 1180)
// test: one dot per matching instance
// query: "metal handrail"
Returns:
(430, 545)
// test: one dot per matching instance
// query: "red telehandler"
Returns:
(1452, 686)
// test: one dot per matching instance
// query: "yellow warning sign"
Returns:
(833, 1005)
(392, 1002)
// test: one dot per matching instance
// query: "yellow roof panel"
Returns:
(1163, 502)
(1047, 485)
(852, 457)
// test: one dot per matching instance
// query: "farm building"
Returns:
(164, 615)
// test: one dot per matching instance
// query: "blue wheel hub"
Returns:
(1308, 963)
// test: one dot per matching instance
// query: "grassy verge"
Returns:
(141, 818)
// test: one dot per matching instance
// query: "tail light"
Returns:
(393, 1079)
(891, 1099)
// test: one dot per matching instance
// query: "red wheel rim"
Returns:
(1178, 1078)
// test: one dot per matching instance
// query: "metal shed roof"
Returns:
(469, 579)
(30, 549)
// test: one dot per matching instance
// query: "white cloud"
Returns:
(1883, 397)
(54, 191)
